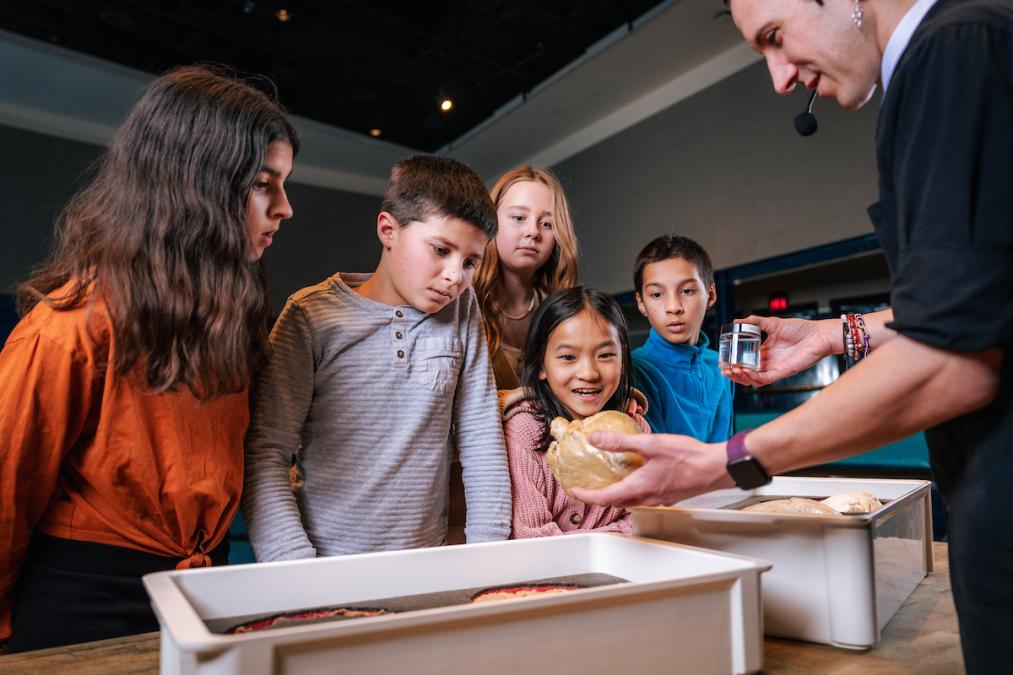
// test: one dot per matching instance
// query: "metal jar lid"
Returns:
(750, 329)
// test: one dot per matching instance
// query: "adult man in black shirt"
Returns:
(941, 358)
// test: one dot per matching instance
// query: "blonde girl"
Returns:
(534, 254)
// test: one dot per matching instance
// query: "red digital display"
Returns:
(778, 302)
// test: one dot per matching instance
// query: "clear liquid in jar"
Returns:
(738, 349)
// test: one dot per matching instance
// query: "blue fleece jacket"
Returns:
(686, 393)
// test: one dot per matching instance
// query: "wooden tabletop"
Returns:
(921, 638)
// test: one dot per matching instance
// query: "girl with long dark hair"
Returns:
(576, 363)
(123, 389)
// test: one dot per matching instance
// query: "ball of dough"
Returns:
(576, 463)
(853, 502)
(793, 505)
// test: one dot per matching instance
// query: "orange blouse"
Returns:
(87, 455)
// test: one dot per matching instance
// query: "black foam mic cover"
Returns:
(805, 121)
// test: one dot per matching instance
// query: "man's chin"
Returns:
(856, 101)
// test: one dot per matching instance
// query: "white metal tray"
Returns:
(835, 580)
(684, 610)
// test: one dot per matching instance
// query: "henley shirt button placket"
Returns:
(399, 334)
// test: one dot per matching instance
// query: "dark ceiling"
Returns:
(359, 66)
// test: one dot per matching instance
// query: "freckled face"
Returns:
(818, 46)
(525, 238)
(267, 204)
(583, 363)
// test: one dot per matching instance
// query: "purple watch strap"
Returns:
(736, 447)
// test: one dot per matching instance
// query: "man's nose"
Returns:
(783, 73)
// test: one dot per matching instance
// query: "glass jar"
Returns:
(740, 345)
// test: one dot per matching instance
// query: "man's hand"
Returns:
(676, 467)
(792, 345)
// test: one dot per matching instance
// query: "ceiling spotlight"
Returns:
(446, 104)
(282, 15)
(375, 133)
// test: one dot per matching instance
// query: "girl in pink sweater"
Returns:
(576, 363)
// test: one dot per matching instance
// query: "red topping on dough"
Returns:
(520, 592)
(270, 622)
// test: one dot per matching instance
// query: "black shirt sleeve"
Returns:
(946, 187)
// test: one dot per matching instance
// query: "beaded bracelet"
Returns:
(856, 337)
(860, 320)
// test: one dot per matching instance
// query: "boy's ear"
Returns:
(641, 306)
(386, 229)
(712, 296)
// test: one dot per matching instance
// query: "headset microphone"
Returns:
(805, 122)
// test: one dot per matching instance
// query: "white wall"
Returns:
(726, 168)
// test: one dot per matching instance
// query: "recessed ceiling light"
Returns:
(446, 105)
(282, 15)
(375, 132)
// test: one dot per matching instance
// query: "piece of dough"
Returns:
(853, 502)
(520, 592)
(793, 505)
(576, 463)
(302, 616)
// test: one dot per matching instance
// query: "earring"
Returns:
(856, 15)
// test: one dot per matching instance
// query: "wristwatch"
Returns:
(745, 470)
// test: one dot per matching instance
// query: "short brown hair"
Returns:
(423, 186)
(669, 246)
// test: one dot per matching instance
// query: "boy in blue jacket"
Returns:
(674, 368)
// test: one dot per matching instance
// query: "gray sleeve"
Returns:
(480, 438)
(281, 402)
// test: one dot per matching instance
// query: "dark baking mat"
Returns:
(408, 603)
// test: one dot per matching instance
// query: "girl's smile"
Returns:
(583, 363)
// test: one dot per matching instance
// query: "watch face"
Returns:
(748, 473)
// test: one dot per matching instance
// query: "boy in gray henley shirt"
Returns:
(373, 379)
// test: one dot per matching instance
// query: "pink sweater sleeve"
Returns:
(530, 487)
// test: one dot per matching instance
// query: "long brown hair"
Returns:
(559, 272)
(159, 234)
